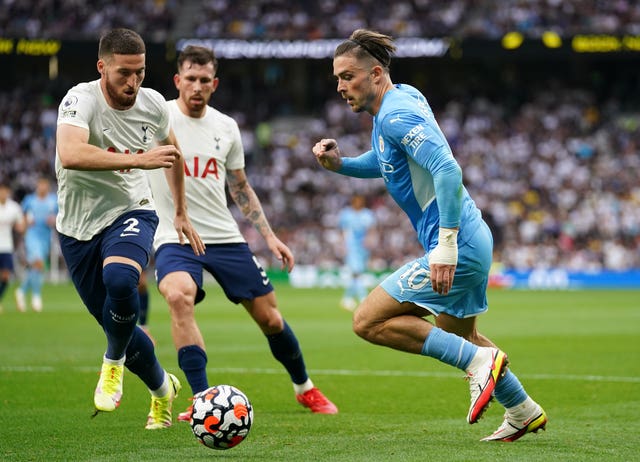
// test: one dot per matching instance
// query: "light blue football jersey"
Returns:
(40, 210)
(355, 225)
(415, 160)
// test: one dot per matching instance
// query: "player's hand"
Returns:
(185, 230)
(158, 157)
(327, 154)
(443, 260)
(442, 277)
(282, 253)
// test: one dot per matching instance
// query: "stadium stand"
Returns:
(302, 19)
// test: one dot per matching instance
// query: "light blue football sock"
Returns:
(26, 283)
(449, 348)
(36, 282)
(360, 289)
(509, 391)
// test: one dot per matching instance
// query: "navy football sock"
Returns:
(285, 348)
(193, 361)
(144, 308)
(142, 361)
(121, 307)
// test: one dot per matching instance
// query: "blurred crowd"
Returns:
(554, 170)
(280, 19)
(302, 19)
(555, 176)
(27, 138)
(82, 19)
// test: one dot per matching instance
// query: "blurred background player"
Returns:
(106, 136)
(40, 209)
(412, 155)
(11, 221)
(214, 156)
(356, 221)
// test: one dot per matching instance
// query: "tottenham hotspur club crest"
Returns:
(144, 130)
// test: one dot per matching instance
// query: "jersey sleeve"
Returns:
(26, 203)
(77, 107)
(159, 107)
(370, 219)
(54, 204)
(164, 122)
(18, 213)
(421, 139)
(363, 166)
(235, 158)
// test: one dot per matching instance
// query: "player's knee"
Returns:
(120, 280)
(362, 326)
(180, 302)
(271, 324)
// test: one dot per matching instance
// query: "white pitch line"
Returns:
(354, 373)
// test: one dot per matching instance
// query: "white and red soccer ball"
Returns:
(222, 417)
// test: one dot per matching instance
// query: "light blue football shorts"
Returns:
(37, 246)
(468, 295)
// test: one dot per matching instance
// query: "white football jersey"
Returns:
(210, 145)
(89, 201)
(10, 214)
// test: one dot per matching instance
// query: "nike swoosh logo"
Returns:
(397, 119)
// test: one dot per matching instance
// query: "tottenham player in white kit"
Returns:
(11, 220)
(106, 132)
(213, 153)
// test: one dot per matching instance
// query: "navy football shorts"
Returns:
(233, 266)
(130, 235)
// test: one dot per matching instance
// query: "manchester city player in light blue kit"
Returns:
(355, 221)
(40, 209)
(411, 154)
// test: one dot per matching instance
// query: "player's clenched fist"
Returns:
(327, 154)
(157, 157)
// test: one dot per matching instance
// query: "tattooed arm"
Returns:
(246, 199)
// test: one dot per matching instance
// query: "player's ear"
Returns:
(100, 66)
(176, 80)
(377, 71)
(215, 83)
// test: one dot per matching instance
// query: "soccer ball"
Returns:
(222, 417)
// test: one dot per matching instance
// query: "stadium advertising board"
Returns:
(308, 276)
(29, 47)
(513, 43)
(408, 47)
(311, 49)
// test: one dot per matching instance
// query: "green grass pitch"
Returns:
(577, 353)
